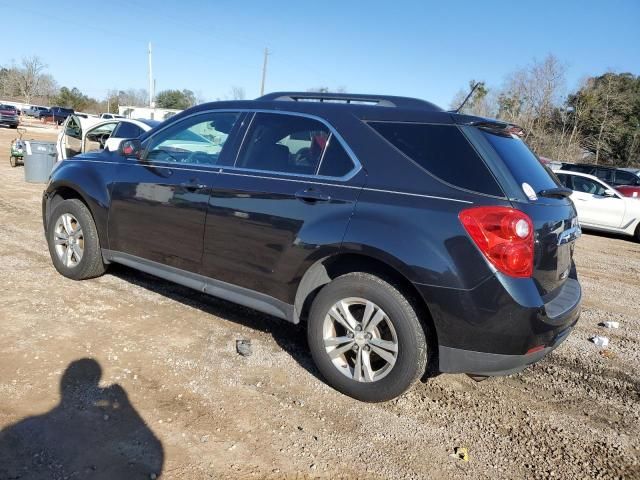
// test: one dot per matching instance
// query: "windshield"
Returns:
(523, 164)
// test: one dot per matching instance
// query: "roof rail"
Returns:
(378, 100)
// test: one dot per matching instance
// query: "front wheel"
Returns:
(365, 338)
(73, 241)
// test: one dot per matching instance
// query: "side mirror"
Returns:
(130, 148)
(609, 192)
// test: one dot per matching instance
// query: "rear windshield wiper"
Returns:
(558, 192)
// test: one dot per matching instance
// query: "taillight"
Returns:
(504, 235)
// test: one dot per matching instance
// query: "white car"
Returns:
(81, 135)
(600, 206)
(110, 116)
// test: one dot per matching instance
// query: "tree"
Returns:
(610, 110)
(237, 93)
(74, 98)
(27, 78)
(177, 99)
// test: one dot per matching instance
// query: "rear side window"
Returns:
(605, 174)
(335, 162)
(523, 164)
(443, 151)
(626, 178)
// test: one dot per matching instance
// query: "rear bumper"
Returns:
(501, 326)
(455, 360)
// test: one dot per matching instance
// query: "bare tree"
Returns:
(237, 93)
(28, 77)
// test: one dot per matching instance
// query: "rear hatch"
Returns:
(534, 190)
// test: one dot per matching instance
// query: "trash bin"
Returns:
(39, 159)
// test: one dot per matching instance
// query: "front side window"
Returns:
(586, 185)
(284, 143)
(73, 128)
(196, 140)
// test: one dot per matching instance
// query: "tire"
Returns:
(383, 380)
(89, 263)
(636, 236)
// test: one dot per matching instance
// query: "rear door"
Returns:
(292, 188)
(159, 203)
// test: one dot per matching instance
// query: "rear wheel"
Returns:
(73, 241)
(637, 234)
(365, 338)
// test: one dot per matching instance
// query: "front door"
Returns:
(159, 203)
(594, 206)
(292, 188)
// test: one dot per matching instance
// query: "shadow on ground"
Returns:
(92, 433)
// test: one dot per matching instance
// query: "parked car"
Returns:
(600, 206)
(85, 134)
(34, 111)
(57, 114)
(109, 116)
(9, 116)
(410, 240)
(613, 176)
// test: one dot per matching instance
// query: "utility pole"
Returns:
(264, 70)
(150, 79)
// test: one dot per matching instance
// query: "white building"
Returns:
(147, 112)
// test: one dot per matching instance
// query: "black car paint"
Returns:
(244, 233)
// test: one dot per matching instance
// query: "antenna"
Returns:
(457, 110)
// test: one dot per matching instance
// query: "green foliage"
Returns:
(176, 99)
(609, 111)
(73, 98)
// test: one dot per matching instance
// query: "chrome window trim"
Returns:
(220, 170)
(357, 166)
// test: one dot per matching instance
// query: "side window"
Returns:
(127, 130)
(195, 140)
(586, 185)
(626, 178)
(443, 151)
(604, 174)
(335, 162)
(565, 180)
(73, 128)
(284, 143)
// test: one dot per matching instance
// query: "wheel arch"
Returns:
(330, 267)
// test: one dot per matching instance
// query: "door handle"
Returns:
(312, 195)
(193, 185)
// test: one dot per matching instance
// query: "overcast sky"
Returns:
(417, 48)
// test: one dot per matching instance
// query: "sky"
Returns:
(424, 49)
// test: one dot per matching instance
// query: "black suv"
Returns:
(613, 176)
(409, 239)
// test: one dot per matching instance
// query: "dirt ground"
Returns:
(128, 376)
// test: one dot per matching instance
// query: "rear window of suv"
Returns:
(443, 151)
(523, 164)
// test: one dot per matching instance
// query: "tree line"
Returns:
(29, 82)
(598, 123)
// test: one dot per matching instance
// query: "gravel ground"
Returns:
(128, 376)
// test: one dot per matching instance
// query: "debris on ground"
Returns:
(461, 453)
(610, 324)
(243, 347)
(600, 341)
(607, 354)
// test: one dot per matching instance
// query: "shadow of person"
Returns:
(93, 433)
